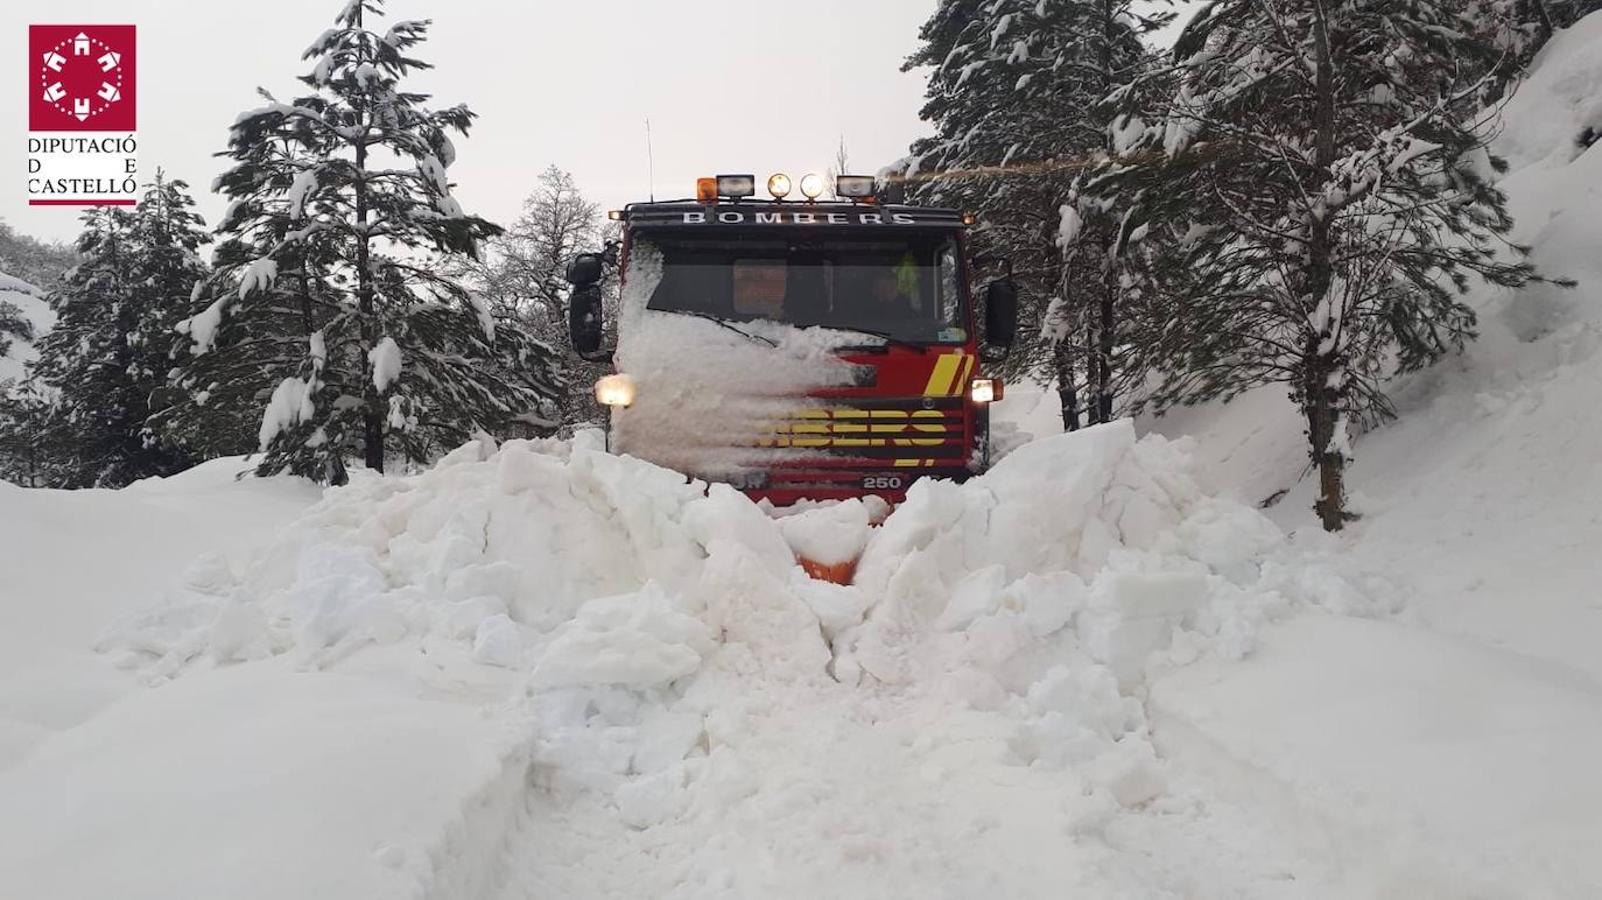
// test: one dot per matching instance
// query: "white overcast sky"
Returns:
(729, 86)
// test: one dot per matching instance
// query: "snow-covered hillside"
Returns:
(30, 300)
(1473, 716)
(544, 671)
(1485, 494)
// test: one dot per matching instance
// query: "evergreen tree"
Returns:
(107, 355)
(36, 262)
(1016, 94)
(1545, 16)
(1324, 169)
(31, 447)
(330, 304)
(12, 326)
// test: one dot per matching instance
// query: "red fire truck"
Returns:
(884, 289)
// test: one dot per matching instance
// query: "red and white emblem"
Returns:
(82, 78)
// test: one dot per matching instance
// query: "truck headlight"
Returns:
(615, 390)
(986, 390)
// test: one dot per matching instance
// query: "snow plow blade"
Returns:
(838, 573)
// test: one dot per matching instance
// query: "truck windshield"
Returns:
(906, 288)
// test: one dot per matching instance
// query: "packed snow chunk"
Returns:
(837, 606)
(828, 534)
(760, 612)
(1088, 541)
(463, 619)
(652, 799)
(530, 530)
(1078, 718)
(727, 517)
(1135, 613)
(498, 641)
(340, 595)
(637, 640)
(1061, 487)
(664, 737)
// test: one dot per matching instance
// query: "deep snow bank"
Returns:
(75, 561)
(524, 549)
(712, 722)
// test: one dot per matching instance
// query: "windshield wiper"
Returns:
(888, 338)
(726, 324)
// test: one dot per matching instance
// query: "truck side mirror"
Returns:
(585, 270)
(1001, 315)
(584, 324)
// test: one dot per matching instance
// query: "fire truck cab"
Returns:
(797, 349)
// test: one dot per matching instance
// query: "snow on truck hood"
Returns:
(657, 646)
(704, 387)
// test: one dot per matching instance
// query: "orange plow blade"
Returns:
(839, 573)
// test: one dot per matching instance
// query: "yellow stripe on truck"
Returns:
(944, 373)
(961, 384)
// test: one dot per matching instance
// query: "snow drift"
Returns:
(679, 679)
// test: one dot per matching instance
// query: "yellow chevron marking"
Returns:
(945, 369)
(960, 385)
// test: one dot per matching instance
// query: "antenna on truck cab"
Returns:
(650, 162)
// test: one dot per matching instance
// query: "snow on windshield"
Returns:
(707, 390)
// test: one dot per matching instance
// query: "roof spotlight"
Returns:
(779, 185)
(812, 185)
(736, 186)
(854, 186)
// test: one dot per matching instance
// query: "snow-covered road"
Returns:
(546, 671)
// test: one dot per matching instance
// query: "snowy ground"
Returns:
(543, 671)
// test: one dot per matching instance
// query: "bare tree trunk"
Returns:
(1104, 349)
(1543, 18)
(1106, 324)
(1062, 360)
(1322, 395)
(372, 415)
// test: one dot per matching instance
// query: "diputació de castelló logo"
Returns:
(82, 115)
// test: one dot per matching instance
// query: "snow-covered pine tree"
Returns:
(36, 262)
(30, 451)
(1549, 15)
(1015, 94)
(1327, 165)
(106, 357)
(168, 234)
(12, 326)
(330, 303)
